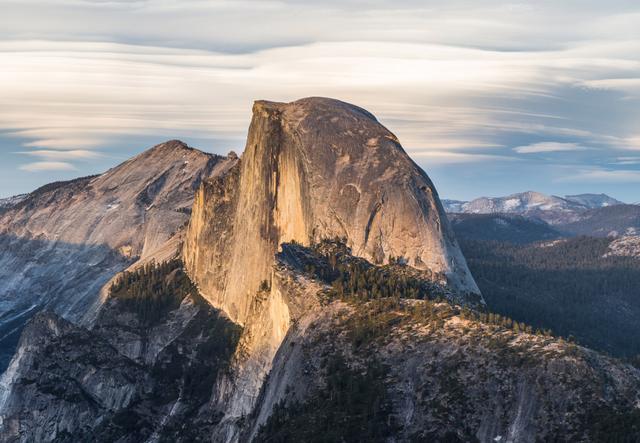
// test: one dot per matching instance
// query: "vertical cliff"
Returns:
(312, 169)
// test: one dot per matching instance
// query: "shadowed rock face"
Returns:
(125, 380)
(60, 244)
(312, 169)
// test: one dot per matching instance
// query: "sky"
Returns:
(489, 97)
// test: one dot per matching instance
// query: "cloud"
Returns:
(604, 176)
(630, 85)
(632, 143)
(549, 147)
(74, 154)
(245, 26)
(627, 161)
(447, 157)
(453, 76)
(59, 142)
(47, 166)
(95, 90)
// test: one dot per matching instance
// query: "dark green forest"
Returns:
(355, 279)
(568, 287)
(378, 291)
(153, 290)
(502, 227)
(353, 406)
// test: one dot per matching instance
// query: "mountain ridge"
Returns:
(317, 292)
(62, 242)
(549, 208)
(405, 369)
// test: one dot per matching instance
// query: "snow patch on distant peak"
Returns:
(11, 201)
(593, 201)
(512, 203)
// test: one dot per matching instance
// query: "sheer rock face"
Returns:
(61, 380)
(60, 244)
(312, 169)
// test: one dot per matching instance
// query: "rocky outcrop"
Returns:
(444, 375)
(312, 169)
(60, 244)
(127, 379)
(348, 368)
(626, 246)
(459, 382)
(61, 381)
(8, 202)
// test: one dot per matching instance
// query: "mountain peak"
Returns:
(550, 208)
(593, 201)
(317, 106)
(313, 169)
(130, 211)
(169, 147)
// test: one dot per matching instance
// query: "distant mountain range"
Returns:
(549, 208)
(570, 211)
(540, 257)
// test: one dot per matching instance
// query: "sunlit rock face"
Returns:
(312, 169)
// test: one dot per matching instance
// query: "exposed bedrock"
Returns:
(312, 169)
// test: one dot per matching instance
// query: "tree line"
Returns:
(153, 290)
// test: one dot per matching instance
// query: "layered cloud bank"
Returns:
(501, 88)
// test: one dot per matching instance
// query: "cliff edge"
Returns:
(313, 169)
